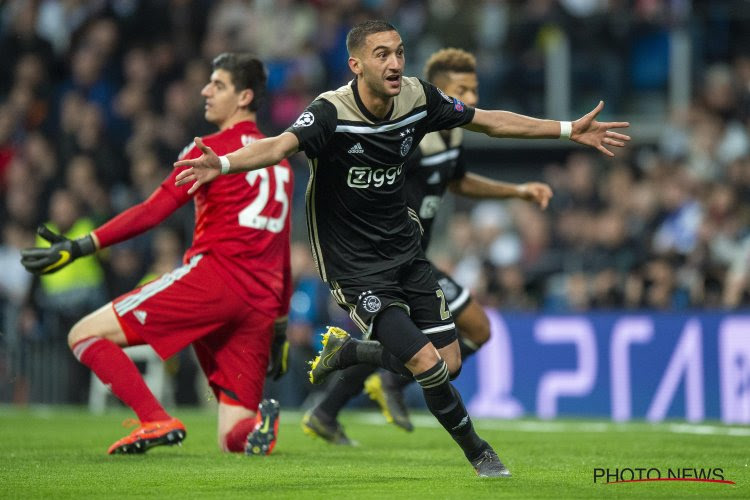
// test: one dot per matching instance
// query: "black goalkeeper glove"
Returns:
(278, 363)
(62, 252)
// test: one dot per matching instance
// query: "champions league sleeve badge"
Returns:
(305, 120)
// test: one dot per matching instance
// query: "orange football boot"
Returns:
(150, 434)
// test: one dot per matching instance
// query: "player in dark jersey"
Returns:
(239, 261)
(438, 165)
(364, 238)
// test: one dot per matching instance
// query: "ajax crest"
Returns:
(371, 303)
(406, 145)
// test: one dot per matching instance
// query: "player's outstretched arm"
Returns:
(259, 154)
(586, 130)
(477, 186)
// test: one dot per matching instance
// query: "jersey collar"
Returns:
(249, 125)
(364, 110)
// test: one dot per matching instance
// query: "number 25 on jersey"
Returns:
(250, 216)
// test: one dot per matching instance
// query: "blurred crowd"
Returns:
(650, 233)
(98, 97)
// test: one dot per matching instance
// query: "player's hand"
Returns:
(537, 192)
(586, 130)
(61, 252)
(278, 363)
(202, 170)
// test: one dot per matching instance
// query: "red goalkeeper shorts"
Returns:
(190, 305)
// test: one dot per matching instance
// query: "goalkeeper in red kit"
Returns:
(238, 263)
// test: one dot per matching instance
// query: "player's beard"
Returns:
(379, 88)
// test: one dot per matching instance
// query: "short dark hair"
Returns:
(449, 60)
(357, 35)
(247, 72)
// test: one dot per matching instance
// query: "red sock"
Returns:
(116, 370)
(236, 438)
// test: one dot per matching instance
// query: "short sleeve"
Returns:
(443, 111)
(315, 127)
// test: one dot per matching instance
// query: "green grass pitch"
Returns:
(61, 453)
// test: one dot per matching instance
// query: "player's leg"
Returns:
(347, 385)
(387, 388)
(168, 313)
(472, 323)
(431, 317)
(405, 340)
(235, 422)
(445, 403)
(372, 301)
(322, 420)
(394, 328)
(473, 328)
(364, 298)
(97, 341)
(401, 336)
(234, 358)
(242, 429)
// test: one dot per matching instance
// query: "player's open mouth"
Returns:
(393, 80)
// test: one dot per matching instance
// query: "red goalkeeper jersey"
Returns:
(242, 221)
